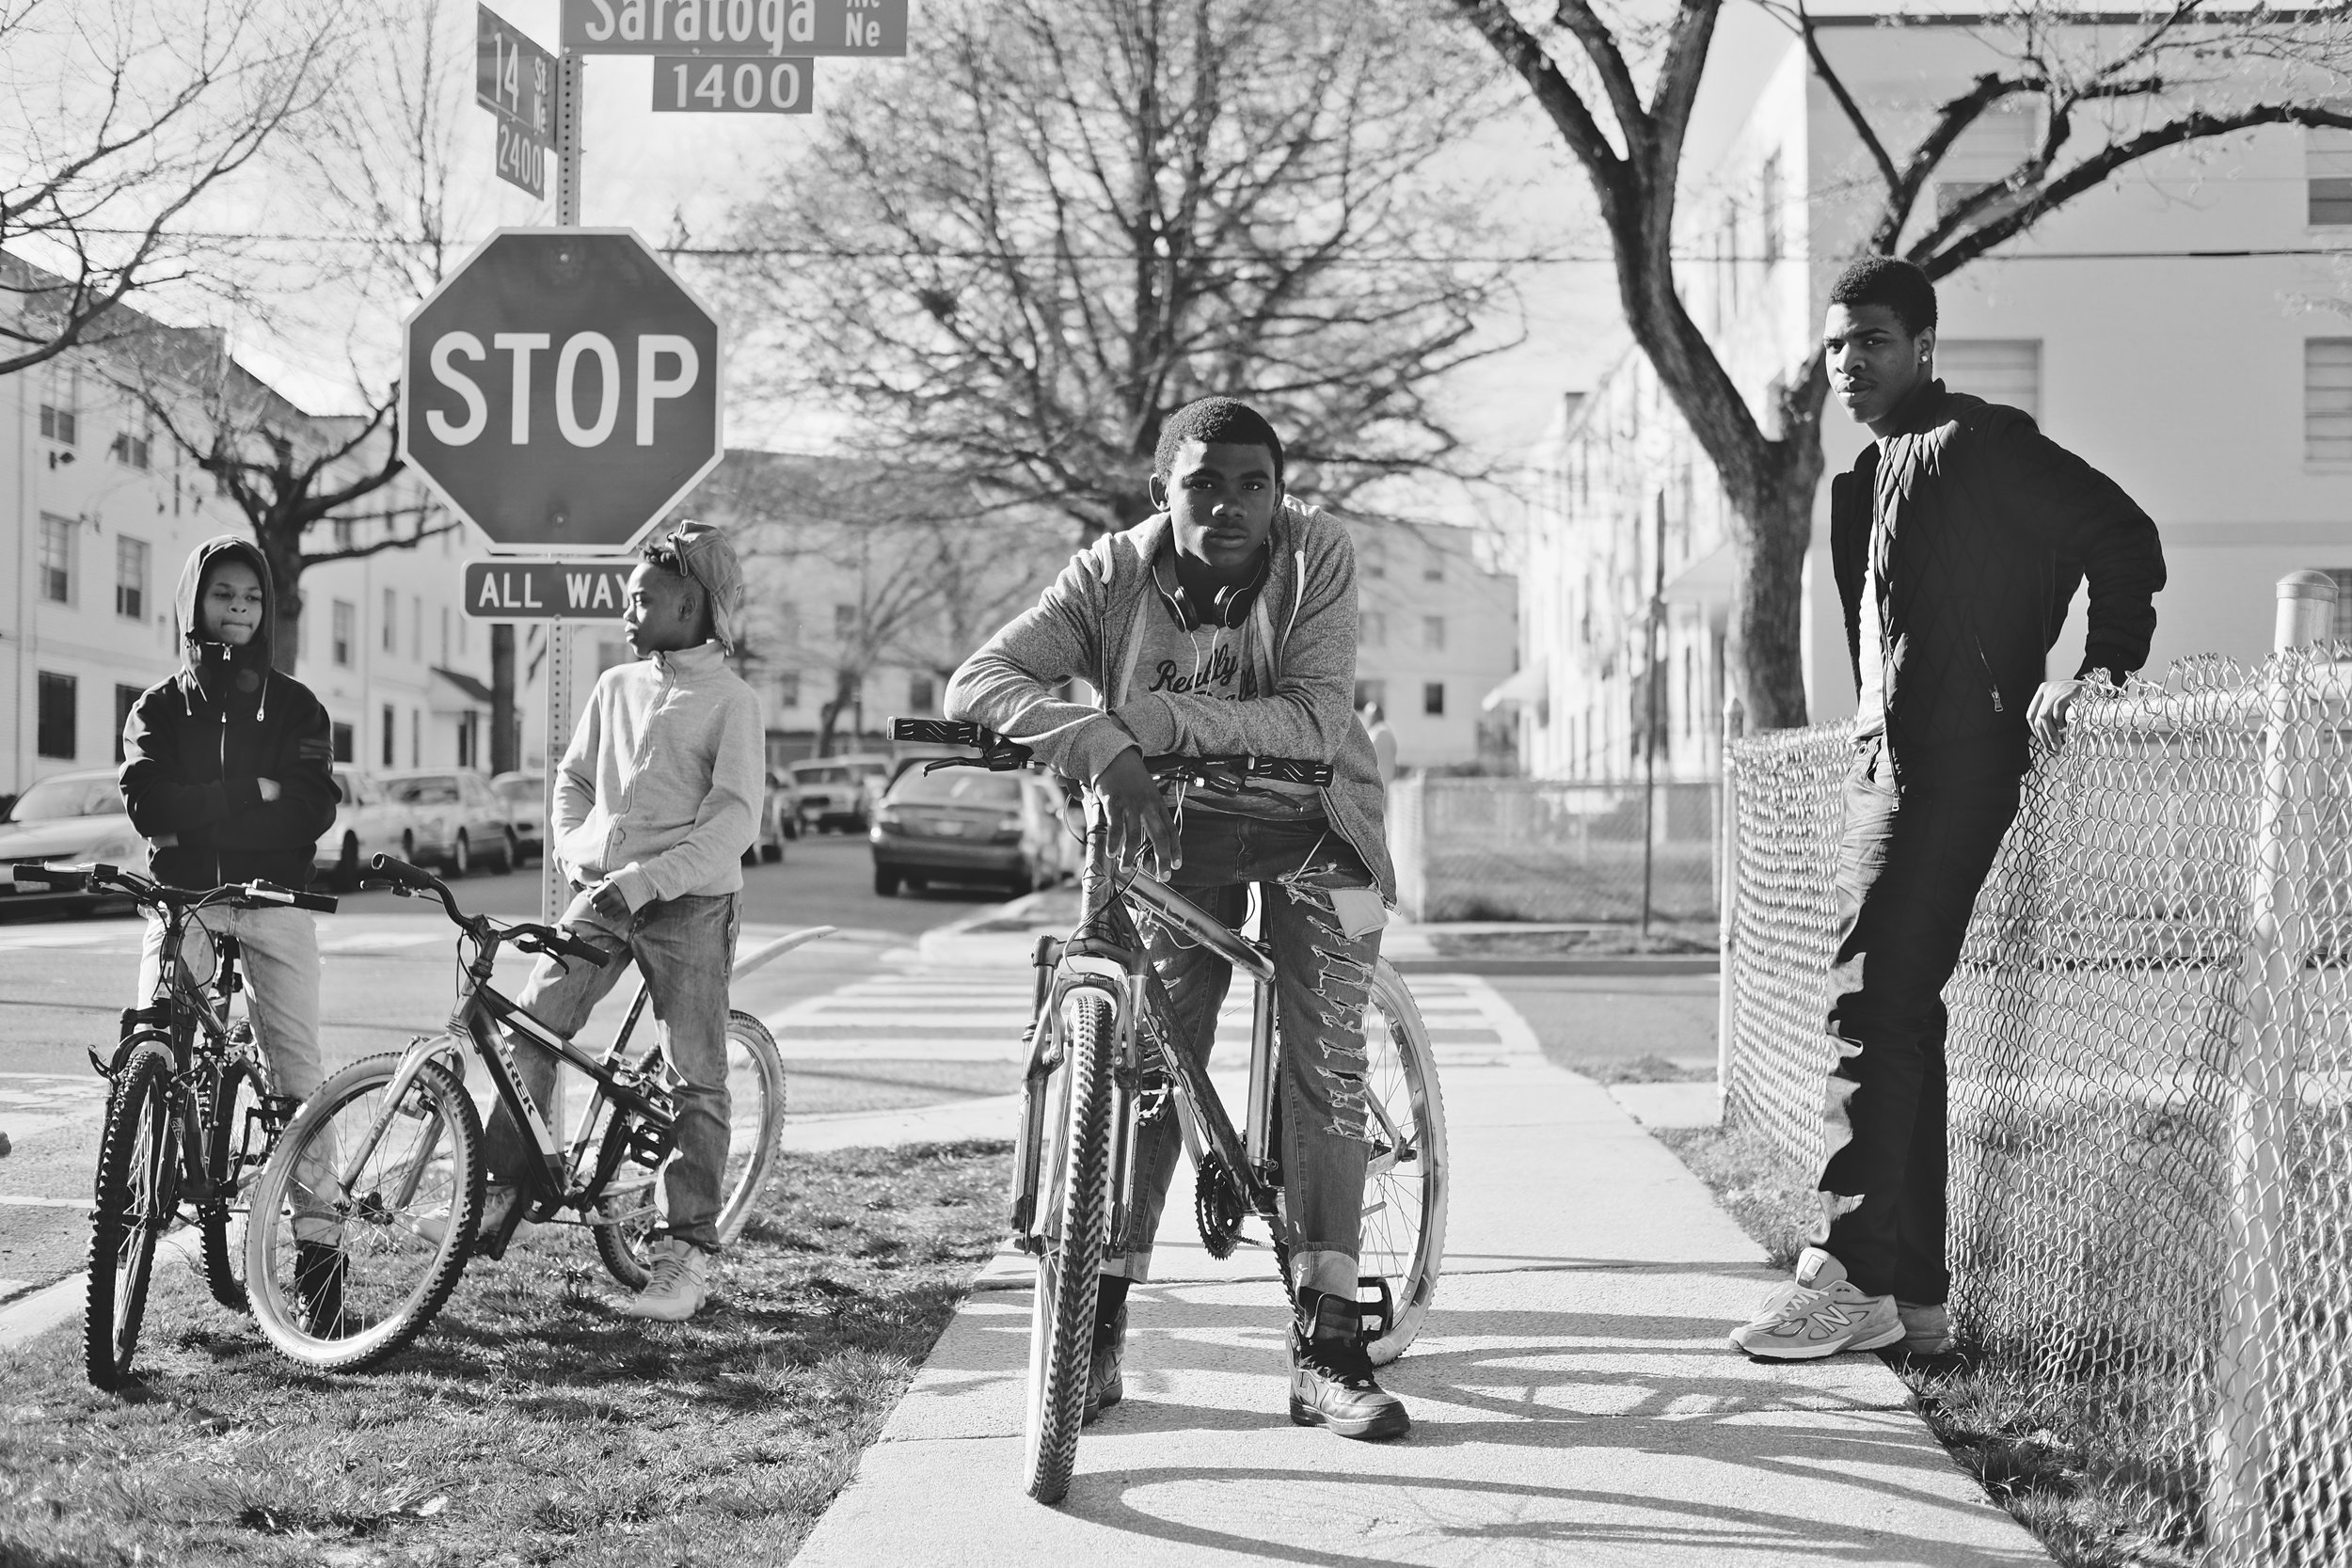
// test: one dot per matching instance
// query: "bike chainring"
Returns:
(1217, 1208)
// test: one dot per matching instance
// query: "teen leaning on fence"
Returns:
(1959, 538)
(657, 800)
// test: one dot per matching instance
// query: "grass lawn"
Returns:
(531, 1423)
(2071, 1461)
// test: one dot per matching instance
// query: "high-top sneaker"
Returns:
(1331, 1382)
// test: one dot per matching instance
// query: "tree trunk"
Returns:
(505, 734)
(1767, 610)
(282, 548)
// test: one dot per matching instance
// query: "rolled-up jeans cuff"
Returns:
(1333, 1273)
(1136, 1266)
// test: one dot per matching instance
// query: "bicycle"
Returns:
(394, 1140)
(1097, 1070)
(180, 1072)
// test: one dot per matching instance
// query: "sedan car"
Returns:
(958, 825)
(526, 797)
(839, 792)
(458, 820)
(70, 819)
(367, 823)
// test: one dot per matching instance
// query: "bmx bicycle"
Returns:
(1097, 1070)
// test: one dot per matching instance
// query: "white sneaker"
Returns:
(495, 1201)
(1819, 1313)
(679, 1286)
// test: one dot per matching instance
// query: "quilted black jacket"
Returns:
(1987, 528)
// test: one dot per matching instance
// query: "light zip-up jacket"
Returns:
(661, 787)
(1088, 626)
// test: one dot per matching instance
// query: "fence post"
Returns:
(2278, 939)
(1726, 906)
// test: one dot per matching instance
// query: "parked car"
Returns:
(841, 792)
(457, 819)
(526, 798)
(779, 819)
(368, 823)
(958, 826)
(67, 819)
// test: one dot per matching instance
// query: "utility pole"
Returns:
(1649, 738)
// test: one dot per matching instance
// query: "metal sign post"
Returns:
(554, 892)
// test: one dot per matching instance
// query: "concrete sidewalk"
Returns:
(1573, 1400)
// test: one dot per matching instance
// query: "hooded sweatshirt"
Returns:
(197, 746)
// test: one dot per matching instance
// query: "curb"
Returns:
(1621, 966)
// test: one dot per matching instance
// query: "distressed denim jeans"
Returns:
(685, 947)
(1909, 864)
(1321, 979)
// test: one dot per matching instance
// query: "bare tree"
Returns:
(1010, 258)
(119, 116)
(2107, 96)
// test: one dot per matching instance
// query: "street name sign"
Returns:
(697, 84)
(547, 590)
(514, 79)
(736, 28)
(562, 390)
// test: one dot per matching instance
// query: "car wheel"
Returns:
(1021, 881)
(511, 854)
(347, 865)
(886, 882)
(460, 858)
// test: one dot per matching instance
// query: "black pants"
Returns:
(1909, 864)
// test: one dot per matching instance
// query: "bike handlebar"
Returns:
(146, 889)
(532, 937)
(1223, 774)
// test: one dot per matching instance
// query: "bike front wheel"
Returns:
(138, 1192)
(755, 1095)
(1405, 1179)
(1077, 1231)
(344, 1273)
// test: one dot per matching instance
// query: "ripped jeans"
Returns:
(1321, 977)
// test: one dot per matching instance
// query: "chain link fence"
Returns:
(1488, 849)
(2151, 1061)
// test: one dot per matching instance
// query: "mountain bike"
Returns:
(1097, 1072)
(396, 1140)
(189, 1118)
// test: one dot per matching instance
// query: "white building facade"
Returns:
(1436, 630)
(2215, 388)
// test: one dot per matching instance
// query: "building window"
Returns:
(54, 731)
(130, 577)
(2327, 399)
(126, 698)
(1433, 566)
(445, 636)
(416, 738)
(346, 621)
(343, 741)
(1371, 629)
(844, 621)
(1433, 699)
(61, 425)
(1998, 370)
(391, 728)
(130, 450)
(345, 535)
(1433, 633)
(392, 621)
(919, 693)
(1371, 559)
(2328, 176)
(1371, 691)
(56, 571)
(789, 690)
(416, 628)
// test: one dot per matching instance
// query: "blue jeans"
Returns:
(1321, 979)
(685, 947)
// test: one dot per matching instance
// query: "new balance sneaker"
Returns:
(679, 1286)
(1927, 1330)
(495, 1201)
(1105, 1387)
(1332, 1384)
(1818, 1313)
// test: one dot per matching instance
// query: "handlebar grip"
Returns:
(1289, 770)
(400, 871)
(940, 731)
(270, 893)
(71, 881)
(567, 944)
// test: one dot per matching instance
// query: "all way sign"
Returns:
(547, 590)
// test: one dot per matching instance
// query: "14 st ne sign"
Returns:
(561, 390)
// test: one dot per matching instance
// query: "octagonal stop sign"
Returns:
(560, 389)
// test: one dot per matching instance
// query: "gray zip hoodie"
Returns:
(1086, 628)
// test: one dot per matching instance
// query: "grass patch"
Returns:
(2085, 1464)
(531, 1423)
(1650, 1068)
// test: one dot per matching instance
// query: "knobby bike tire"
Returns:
(237, 1087)
(137, 1191)
(1061, 1322)
(396, 1277)
(623, 1244)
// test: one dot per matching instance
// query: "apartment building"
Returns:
(1437, 631)
(2216, 387)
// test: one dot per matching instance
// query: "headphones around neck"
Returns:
(1229, 606)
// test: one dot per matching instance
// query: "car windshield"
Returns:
(55, 800)
(955, 787)
(425, 792)
(519, 789)
(821, 775)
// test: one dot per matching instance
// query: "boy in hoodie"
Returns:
(658, 798)
(1226, 625)
(228, 770)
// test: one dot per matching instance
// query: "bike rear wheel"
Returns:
(237, 1089)
(1061, 1322)
(393, 1277)
(755, 1098)
(138, 1192)
(1406, 1179)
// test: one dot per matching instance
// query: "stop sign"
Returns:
(560, 389)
